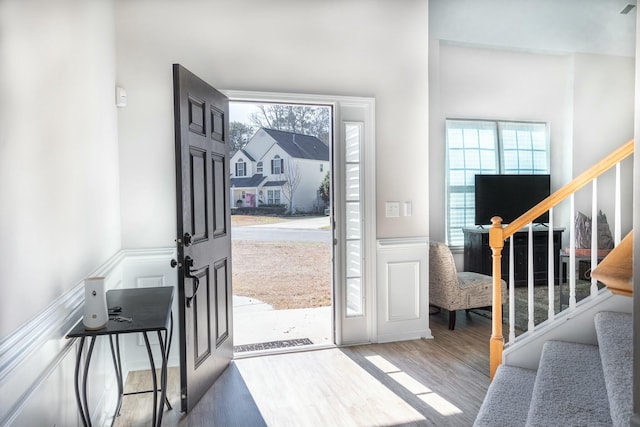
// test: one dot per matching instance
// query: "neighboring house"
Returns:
(279, 168)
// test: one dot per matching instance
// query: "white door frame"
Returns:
(347, 329)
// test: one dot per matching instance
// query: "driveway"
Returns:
(297, 230)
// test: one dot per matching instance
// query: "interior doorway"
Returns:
(282, 227)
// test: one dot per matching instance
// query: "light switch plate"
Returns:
(407, 209)
(392, 209)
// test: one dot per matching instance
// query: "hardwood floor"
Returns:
(439, 382)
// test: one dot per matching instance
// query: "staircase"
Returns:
(575, 384)
(615, 270)
(575, 381)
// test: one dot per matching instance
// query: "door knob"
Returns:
(175, 264)
(187, 239)
(189, 274)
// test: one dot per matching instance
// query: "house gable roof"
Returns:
(251, 159)
(244, 182)
(300, 146)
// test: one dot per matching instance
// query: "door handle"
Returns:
(189, 273)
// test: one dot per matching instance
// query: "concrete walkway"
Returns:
(255, 322)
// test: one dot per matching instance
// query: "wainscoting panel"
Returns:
(402, 289)
(37, 362)
(146, 269)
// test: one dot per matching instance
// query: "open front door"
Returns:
(203, 234)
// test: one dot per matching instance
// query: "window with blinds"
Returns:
(487, 147)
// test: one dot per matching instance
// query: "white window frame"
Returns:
(485, 146)
(277, 164)
(259, 167)
(241, 164)
(274, 197)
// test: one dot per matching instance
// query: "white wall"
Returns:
(59, 182)
(478, 83)
(306, 195)
(373, 48)
(603, 115)
(586, 99)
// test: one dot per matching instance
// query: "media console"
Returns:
(478, 258)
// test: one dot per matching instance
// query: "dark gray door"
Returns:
(203, 233)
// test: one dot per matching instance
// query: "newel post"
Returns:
(496, 345)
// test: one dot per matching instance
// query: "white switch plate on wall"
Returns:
(407, 208)
(392, 209)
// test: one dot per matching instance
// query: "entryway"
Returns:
(281, 227)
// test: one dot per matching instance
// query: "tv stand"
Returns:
(478, 258)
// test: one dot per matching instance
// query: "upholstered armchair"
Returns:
(452, 290)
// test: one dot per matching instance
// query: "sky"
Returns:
(240, 111)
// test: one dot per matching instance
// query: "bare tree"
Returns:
(306, 120)
(292, 176)
(239, 134)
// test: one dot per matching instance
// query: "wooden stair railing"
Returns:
(616, 270)
(499, 233)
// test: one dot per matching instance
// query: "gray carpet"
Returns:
(569, 388)
(615, 332)
(575, 385)
(508, 398)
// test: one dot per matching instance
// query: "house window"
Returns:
(241, 169)
(273, 197)
(259, 167)
(321, 167)
(277, 165)
(487, 147)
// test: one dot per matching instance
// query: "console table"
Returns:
(478, 257)
(149, 310)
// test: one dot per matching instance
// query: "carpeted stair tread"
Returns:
(615, 331)
(569, 389)
(508, 397)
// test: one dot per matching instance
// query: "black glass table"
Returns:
(140, 310)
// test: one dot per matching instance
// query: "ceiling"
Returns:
(587, 26)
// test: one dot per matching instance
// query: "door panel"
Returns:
(220, 207)
(204, 245)
(222, 302)
(199, 194)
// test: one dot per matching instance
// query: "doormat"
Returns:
(272, 345)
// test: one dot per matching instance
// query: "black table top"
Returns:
(149, 309)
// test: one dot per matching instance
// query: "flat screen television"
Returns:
(509, 196)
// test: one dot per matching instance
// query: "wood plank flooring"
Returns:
(439, 382)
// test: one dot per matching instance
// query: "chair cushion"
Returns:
(467, 279)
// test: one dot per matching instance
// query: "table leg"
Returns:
(79, 400)
(154, 378)
(117, 365)
(168, 345)
(163, 379)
